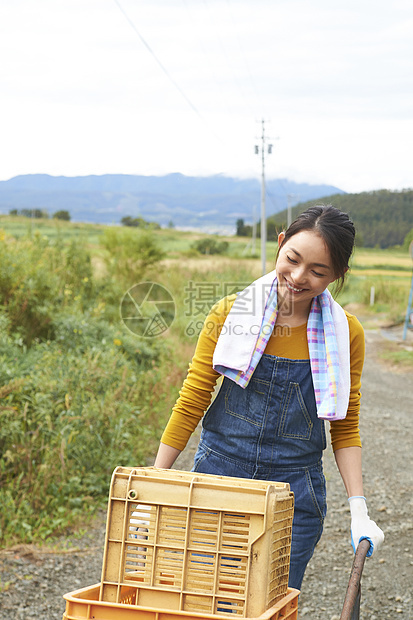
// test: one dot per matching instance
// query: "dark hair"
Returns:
(335, 228)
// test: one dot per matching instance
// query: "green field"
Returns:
(53, 229)
(387, 270)
(81, 394)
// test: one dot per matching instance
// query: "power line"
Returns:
(166, 72)
(242, 50)
(200, 42)
(224, 53)
(169, 76)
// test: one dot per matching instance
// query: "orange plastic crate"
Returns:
(84, 604)
(193, 542)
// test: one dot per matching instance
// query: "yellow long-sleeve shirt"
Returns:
(195, 395)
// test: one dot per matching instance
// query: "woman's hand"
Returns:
(362, 526)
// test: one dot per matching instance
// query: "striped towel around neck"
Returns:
(249, 325)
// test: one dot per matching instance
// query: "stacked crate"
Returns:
(189, 543)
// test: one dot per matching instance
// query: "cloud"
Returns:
(82, 94)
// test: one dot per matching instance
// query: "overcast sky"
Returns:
(152, 87)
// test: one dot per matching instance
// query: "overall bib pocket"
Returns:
(295, 421)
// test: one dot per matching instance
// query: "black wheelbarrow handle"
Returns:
(351, 607)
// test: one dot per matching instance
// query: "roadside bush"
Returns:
(71, 411)
(38, 279)
(77, 393)
(130, 252)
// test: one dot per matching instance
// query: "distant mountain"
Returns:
(213, 202)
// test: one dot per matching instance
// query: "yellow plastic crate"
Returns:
(84, 604)
(193, 542)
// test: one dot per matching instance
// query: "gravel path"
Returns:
(33, 581)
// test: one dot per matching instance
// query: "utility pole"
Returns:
(263, 215)
(254, 230)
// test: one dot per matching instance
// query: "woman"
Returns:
(291, 358)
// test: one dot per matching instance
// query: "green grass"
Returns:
(79, 394)
(390, 297)
(177, 243)
(365, 258)
(383, 268)
(403, 358)
(389, 272)
(57, 230)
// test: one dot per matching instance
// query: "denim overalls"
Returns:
(270, 431)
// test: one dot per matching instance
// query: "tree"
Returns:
(243, 230)
(240, 227)
(62, 215)
(127, 221)
(36, 213)
(381, 217)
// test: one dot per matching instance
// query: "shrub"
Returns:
(62, 215)
(136, 222)
(72, 410)
(78, 394)
(38, 279)
(209, 245)
(130, 252)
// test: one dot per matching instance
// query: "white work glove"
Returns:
(362, 526)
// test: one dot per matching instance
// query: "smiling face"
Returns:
(304, 270)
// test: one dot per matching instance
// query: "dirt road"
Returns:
(32, 582)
